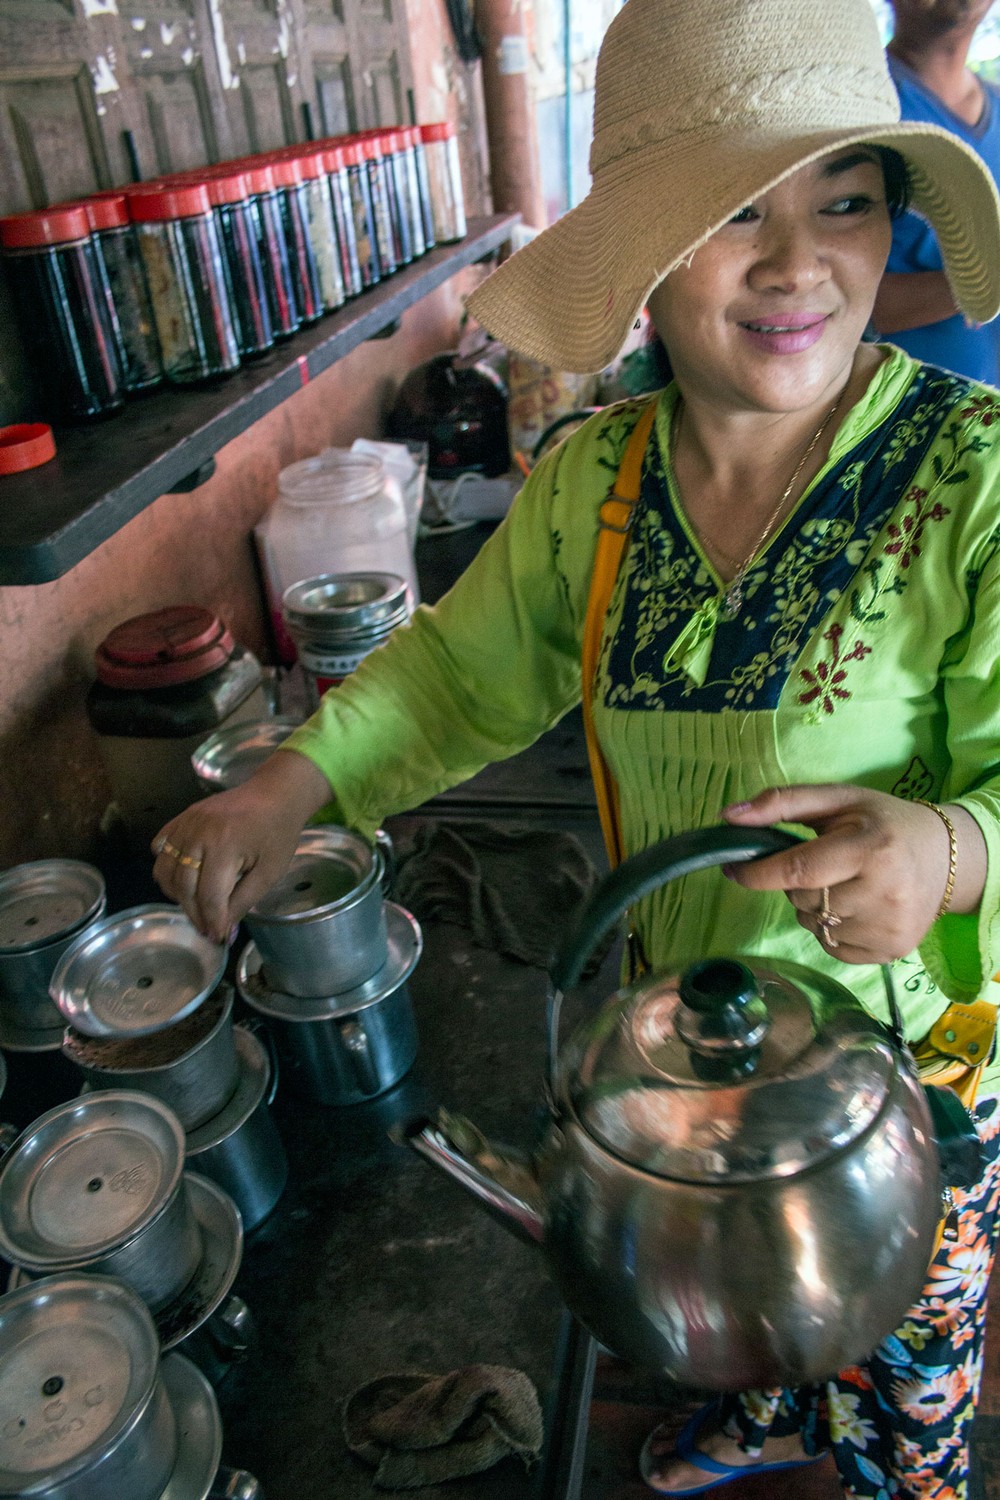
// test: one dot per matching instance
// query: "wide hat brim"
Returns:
(570, 297)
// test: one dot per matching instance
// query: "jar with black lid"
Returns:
(322, 229)
(362, 211)
(294, 202)
(343, 218)
(114, 238)
(179, 240)
(65, 307)
(265, 211)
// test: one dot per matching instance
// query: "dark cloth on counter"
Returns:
(518, 891)
(417, 1429)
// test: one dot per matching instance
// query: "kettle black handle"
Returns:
(646, 871)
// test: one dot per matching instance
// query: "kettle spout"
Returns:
(504, 1184)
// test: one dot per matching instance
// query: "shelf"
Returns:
(106, 473)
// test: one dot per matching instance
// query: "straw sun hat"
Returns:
(700, 107)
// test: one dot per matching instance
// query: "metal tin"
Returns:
(321, 928)
(96, 1185)
(44, 905)
(332, 607)
(84, 1414)
(230, 756)
(191, 1067)
(199, 1431)
(350, 1047)
(241, 1149)
(135, 972)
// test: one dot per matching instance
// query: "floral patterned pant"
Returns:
(899, 1424)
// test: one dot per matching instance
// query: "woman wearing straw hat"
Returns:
(803, 627)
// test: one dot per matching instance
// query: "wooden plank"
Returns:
(105, 474)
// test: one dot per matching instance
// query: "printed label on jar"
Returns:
(322, 672)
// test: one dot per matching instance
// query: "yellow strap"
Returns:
(615, 521)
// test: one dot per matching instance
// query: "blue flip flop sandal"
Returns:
(718, 1473)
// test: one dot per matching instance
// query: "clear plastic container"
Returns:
(362, 212)
(445, 176)
(423, 184)
(64, 303)
(390, 143)
(411, 179)
(265, 209)
(378, 187)
(142, 367)
(235, 214)
(179, 241)
(336, 513)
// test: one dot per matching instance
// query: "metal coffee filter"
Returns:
(46, 900)
(335, 606)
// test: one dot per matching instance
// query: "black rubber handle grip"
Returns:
(647, 871)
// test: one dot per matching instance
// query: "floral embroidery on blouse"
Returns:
(857, 537)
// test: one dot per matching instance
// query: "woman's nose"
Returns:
(788, 259)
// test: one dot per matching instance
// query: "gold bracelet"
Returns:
(949, 888)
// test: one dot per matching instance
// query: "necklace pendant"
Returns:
(732, 600)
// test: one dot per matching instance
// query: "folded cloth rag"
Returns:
(416, 1429)
(519, 891)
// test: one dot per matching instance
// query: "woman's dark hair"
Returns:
(897, 180)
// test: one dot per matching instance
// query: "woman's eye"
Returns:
(857, 203)
(745, 216)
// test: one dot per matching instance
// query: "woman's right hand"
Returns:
(221, 855)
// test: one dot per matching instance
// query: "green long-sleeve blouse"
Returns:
(866, 650)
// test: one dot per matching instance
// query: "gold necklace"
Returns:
(732, 598)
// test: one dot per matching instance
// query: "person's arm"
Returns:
(912, 299)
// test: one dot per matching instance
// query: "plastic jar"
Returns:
(445, 177)
(390, 143)
(423, 184)
(165, 681)
(343, 218)
(265, 214)
(64, 303)
(142, 367)
(322, 229)
(411, 188)
(179, 241)
(385, 238)
(362, 212)
(336, 513)
(235, 214)
(294, 202)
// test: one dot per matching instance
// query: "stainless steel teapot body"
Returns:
(734, 1227)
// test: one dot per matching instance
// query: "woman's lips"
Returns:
(788, 335)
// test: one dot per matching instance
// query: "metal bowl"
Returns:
(229, 757)
(135, 972)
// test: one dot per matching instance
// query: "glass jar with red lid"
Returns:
(343, 217)
(386, 233)
(265, 210)
(115, 241)
(294, 202)
(362, 210)
(182, 255)
(164, 681)
(64, 304)
(322, 228)
(445, 176)
(423, 183)
(408, 137)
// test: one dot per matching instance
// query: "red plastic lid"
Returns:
(287, 171)
(48, 226)
(25, 446)
(371, 146)
(257, 173)
(352, 152)
(334, 158)
(173, 645)
(227, 186)
(109, 211)
(393, 140)
(440, 130)
(168, 200)
(311, 160)
(411, 134)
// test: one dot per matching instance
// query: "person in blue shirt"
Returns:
(928, 60)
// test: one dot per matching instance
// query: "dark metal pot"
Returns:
(350, 1047)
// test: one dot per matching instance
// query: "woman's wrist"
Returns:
(963, 851)
(292, 782)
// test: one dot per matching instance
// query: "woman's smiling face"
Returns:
(769, 313)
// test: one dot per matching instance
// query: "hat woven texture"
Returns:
(700, 107)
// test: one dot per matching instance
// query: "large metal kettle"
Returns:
(737, 1182)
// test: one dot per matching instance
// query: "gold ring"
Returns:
(827, 920)
(190, 861)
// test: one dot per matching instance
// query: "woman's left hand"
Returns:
(870, 884)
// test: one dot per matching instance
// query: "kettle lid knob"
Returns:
(722, 1015)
